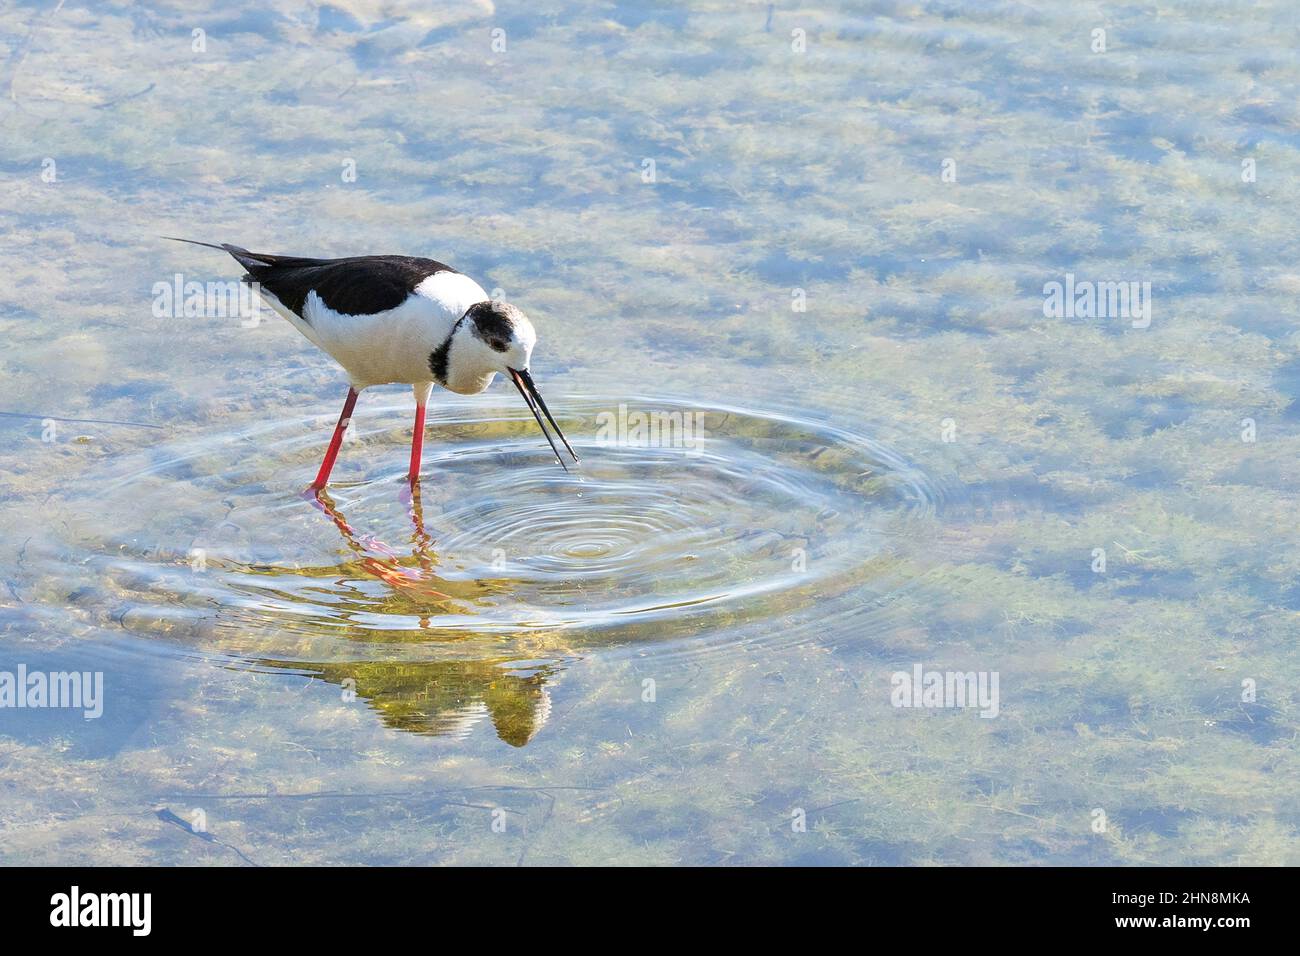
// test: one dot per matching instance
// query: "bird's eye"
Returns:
(499, 344)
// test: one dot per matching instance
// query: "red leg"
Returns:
(326, 466)
(417, 443)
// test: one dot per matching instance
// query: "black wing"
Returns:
(359, 285)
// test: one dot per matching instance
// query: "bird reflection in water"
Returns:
(434, 698)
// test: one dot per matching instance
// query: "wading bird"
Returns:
(389, 319)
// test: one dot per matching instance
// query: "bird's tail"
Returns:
(195, 242)
(249, 260)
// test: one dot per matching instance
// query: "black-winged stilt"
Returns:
(389, 319)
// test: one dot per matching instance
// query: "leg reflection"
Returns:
(383, 561)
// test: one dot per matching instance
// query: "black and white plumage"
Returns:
(402, 319)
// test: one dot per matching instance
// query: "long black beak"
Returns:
(533, 399)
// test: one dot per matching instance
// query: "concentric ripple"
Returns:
(708, 524)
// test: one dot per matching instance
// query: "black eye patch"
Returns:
(491, 325)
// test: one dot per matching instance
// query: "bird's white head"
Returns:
(490, 337)
(494, 337)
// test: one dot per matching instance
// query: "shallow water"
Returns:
(876, 452)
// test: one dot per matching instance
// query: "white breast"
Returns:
(391, 346)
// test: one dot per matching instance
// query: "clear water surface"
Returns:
(810, 244)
